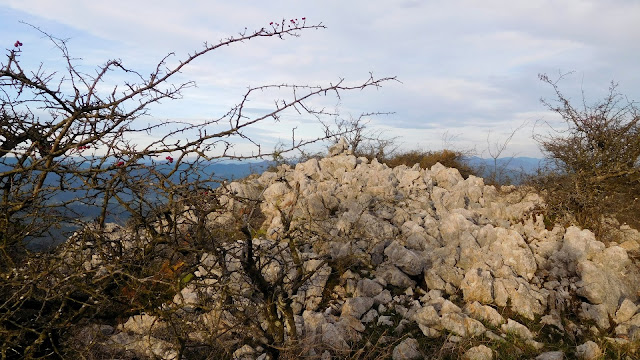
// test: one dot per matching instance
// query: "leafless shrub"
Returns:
(63, 133)
(497, 173)
(364, 141)
(595, 172)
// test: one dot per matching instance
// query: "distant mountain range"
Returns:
(87, 212)
(240, 169)
(511, 166)
(507, 169)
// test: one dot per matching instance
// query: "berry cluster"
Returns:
(294, 22)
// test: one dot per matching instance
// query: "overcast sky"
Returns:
(469, 69)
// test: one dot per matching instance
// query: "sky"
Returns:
(467, 70)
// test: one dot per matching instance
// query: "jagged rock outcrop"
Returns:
(444, 254)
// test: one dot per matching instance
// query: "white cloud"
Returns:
(466, 66)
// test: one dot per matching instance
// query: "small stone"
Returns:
(402, 325)
(383, 298)
(394, 276)
(631, 246)
(409, 292)
(597, 313)
(385, 320)
(626, 311)
(477, 285)
(382, 309)
(551, 355)
(455, 323)
(369, 316)
(484, 313)
(479, 352)
(409, 262)
(332, 336)
(449, 307)
(617, 341)
(534, 344)
(427, 316)
(588, 351)
(553, 320)
(357, 306)
(429, 332)
(493, 336)
(407, 350)
(143, 324)
(454, 339)
(246, 352)
(351, 323)
(514, 327)
(474, 327)
(433, 280)
(368, 288)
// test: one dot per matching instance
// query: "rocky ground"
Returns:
(406, 258)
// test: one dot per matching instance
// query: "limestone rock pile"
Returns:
(427, 249)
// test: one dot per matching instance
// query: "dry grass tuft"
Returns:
(426, 159)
